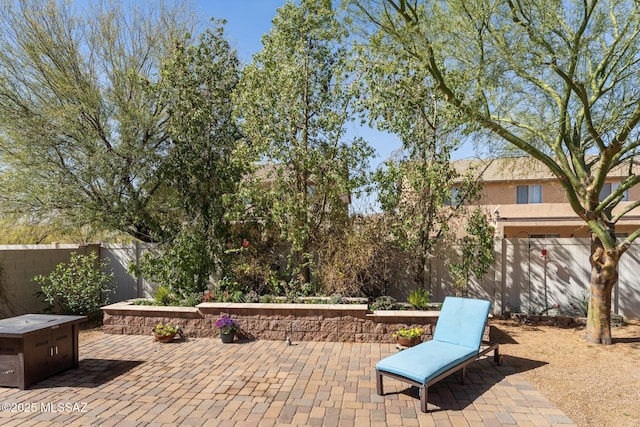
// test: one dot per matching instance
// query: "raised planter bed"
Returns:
(300, 322)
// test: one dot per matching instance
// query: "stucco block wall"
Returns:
(520, 276)
(19, 264)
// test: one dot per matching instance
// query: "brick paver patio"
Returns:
(134, 381)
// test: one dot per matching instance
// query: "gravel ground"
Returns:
(594, 385)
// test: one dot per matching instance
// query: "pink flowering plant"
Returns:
(226, 325)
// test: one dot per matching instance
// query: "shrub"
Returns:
(580, 304)
(78, 287)
(247, 272)
(265, 299)
(227, 285)
(356, 261)
(419, 298)
(251, 296)
(385, 303)
(163, 296)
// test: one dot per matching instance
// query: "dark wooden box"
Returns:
(36, 346)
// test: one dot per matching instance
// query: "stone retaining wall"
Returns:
(300, 322)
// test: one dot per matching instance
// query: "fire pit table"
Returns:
(36, 346)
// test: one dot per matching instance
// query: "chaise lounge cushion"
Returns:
(457, 338)
(426, 361)
(462, 321)
(456, 343)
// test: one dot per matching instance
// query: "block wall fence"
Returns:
(521, 278)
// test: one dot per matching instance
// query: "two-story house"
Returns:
(526, 200)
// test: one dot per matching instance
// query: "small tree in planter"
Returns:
(78, 287)
(476, 252)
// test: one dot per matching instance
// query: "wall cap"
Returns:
(283, 306)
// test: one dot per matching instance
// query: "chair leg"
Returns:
(496, 356)
(464, 371)
(423, 398)
(379, 385)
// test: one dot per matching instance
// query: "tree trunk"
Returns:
(305, 273)
(421, 271)
(305, 264)
(604, 275)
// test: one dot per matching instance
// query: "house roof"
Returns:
(517, 169)
(266, 173)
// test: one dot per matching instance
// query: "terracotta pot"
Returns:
(163, 338)
(408, 342)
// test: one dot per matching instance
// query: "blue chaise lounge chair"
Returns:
(457, 341)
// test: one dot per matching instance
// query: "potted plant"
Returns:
(165, 333)
(408, 337)
(227, 328)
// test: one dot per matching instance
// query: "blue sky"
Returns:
(247, 21)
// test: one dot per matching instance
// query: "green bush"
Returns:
(246, 271)
(184, 265)
(385, 303)
(163, 296)
(265, 299)
(419, 298)
(78, 287)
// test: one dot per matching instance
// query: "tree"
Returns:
(206, 160)
(427, 199)
(82, 140)
(419, 188)
(295, 102)
(476, 251)
(557, 80)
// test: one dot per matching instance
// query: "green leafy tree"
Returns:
(80, 286)
(206, 161)
(556, 80)
(182, 265)
(476, 248)
(425, 207)
(419, 188)
(296, 100)
(82, 139)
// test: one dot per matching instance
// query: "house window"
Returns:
(526, 194)
(610, 187)
(454, 197)
(311, 190)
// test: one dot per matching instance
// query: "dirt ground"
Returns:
(594, 385)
